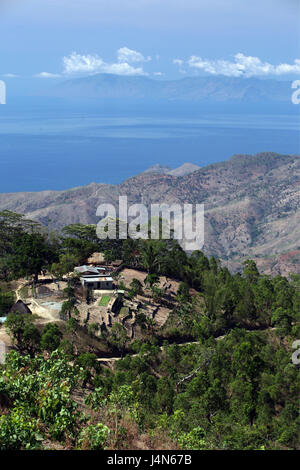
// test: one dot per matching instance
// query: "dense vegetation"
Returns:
(217, 375)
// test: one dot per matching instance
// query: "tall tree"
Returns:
(31, 253)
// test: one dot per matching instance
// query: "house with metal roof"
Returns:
(90, 270)
(97, 283)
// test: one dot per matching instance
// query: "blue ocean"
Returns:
(56, 148)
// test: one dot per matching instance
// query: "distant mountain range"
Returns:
(190, 89)
(252, 205)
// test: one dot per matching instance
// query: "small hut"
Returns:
(97, 259)
(21, 308)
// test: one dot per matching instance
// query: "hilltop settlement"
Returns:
(135, 344)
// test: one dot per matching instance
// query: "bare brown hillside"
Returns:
(252, 205)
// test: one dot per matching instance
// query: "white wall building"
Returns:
(97, 283)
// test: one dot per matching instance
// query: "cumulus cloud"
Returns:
(77, 63)
(131, 56)
(242, 65)
(47, 75)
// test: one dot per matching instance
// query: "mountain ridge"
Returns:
(184, 169)
(188, 89)
(251, 203)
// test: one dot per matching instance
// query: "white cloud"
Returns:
(178, 62)
(77, 63)
(242, 65)
(130, 56)
(10, 75)
(47, 75)
(123, 69)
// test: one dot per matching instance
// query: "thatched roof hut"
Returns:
(96, 259)
(20, 308)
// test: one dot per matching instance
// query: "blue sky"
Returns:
(42, 41)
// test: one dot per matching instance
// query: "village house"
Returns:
(97, 259)
(97, 283)
(20, 308)
(86, 270)
(94, 277)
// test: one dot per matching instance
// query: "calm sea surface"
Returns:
(58, 149)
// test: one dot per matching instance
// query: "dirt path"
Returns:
(17, 291)
(4, 337)
(45, 313)
(111, 360)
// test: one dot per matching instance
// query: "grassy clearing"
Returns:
(124, 312)
(104, 300)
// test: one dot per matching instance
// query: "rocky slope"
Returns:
(252, 205)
